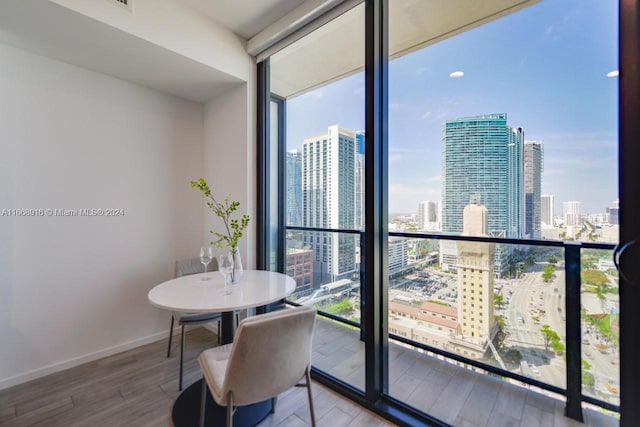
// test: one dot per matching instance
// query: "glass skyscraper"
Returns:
(359, 180)
(483, 155)
(533, 164)
(294, 188)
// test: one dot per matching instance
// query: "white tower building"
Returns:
(328, 201)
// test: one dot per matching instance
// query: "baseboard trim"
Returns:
(70, 363)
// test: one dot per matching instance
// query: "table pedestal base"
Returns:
(186, 410)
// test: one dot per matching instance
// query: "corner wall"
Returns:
(230, 158)
(74, 288)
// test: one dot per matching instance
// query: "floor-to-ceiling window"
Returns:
(502, 196)
(505, 128)
(320, 78)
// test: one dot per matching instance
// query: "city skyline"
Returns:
(565, 101)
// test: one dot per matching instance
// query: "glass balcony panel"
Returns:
(321, 79)
(600, 303)
(482, 142)
(514, 321)
(332, 290)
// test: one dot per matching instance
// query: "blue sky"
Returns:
(544, 66)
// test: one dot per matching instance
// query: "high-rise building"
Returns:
(533, 166)
(482, 155)
(571, 213)
(547, 209)
(398, 258)
(429, 215)
(328, 190)
(613, 213)
(359, 181)
(294, 188)
(475, 276)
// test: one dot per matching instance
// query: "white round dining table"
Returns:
(191, 294)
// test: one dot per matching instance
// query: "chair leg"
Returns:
(203, 401)
(273, 404)
(219, 332)
(181, 357)
(170, 337)
(229, 410)
(313, 415)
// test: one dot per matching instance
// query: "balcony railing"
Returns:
(566, 348)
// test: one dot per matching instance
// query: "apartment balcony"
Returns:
(549, 353)
(455, 394)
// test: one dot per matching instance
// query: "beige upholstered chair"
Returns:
(183, 268)
(270, 354)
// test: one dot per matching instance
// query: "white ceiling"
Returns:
(246, 18)
(336, 50)
(48, 29)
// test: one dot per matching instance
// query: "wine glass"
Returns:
(206, 255)
(225, 267)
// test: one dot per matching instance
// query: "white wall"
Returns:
(174, 26)
(75, 288)
(230, 161)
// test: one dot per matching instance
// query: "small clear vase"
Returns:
(238, 271)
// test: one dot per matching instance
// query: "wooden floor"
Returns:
(453, 394)
(138, 387)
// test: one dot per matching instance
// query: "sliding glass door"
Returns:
(443, 187)
(320, 80)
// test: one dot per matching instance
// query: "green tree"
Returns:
(552, 260)
(498, 300)
(547, 273)
(547, 335)
(551, 337)
(558, 346)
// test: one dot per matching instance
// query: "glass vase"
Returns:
(238, 271)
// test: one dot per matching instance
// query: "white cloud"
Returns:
(425, 115)
(456, 74)
(613, 73)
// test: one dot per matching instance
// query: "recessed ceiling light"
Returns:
(613, 73)
(456, 74)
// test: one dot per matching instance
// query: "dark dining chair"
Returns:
(183, 268)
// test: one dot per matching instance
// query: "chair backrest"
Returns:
(193, 266)
(269, 355)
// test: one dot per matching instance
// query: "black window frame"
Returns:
(375, 235)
